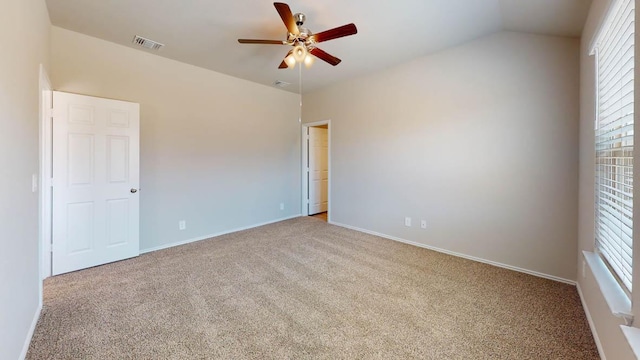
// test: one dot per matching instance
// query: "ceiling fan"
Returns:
(303, 41)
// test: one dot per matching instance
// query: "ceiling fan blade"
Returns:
(287, 17)
(344, 30)
(267, 42)
(283, 64)
(322, 55)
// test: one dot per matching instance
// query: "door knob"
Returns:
(133, 191)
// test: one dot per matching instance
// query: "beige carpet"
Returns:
(303, 289)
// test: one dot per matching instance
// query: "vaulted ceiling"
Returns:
(205, 32)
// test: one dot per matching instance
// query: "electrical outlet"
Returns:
(423, 224)
(182, 224)
(34, 183)
(407, 221)
(281, 206)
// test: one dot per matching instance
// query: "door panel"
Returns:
(95, 166)
(117, 221)
(117, 159)
(80, 227)
(81, 154)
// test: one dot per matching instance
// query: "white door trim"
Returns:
(305, 166)
(44, 218)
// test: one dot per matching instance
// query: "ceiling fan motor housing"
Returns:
(304, 33)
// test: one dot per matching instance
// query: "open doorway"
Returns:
(316, 164)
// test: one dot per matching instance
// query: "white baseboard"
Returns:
(453, 253)
(592, 326)
(200, 238)
(32, 329)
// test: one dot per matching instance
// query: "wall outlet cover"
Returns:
(407, 221)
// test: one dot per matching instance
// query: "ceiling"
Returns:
(205, 32)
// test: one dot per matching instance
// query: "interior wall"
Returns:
(479, 140)
(607, 326)
(24, 40)
(218, 152)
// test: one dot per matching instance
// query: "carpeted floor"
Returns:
(303, 288)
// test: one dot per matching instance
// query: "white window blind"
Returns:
(614, 51)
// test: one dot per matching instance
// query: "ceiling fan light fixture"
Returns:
(290, 61)
(300, 53)
(308, 60)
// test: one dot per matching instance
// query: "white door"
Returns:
(318, 170)
(95, 181)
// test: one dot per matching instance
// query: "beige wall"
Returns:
(479, 140)
(607, 327)
(24, 43)
(218, 152)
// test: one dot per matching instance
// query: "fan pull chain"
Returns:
(300, 90)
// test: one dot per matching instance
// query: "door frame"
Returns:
(46, 162)
(304, 207)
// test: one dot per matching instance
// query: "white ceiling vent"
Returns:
(280, 83)
(147, 43)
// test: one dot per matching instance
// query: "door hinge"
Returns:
(50, 182)
(54, 113)
(51, 113)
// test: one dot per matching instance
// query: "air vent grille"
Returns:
(147, 43)
(280, 83)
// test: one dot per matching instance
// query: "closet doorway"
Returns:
(316, 170)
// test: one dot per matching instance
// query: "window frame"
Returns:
(605, 25)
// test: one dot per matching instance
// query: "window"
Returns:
(614, 51)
